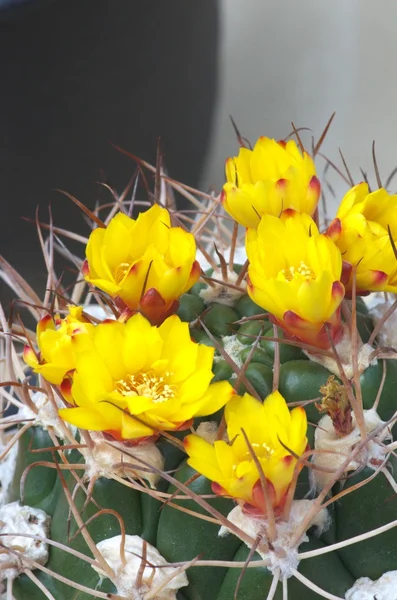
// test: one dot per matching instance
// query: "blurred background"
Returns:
(82, 74)
(283, 61)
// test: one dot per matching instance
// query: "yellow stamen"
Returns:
(146, 384)
(261, 450)
(302, 272)
(121, 272)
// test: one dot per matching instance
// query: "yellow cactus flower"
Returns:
(360, 231)
(270, 178)
(145, 263)
(55, 339)
(138, 380)
(270, 429)
(294, 273)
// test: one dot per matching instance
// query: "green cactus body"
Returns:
(177, 535)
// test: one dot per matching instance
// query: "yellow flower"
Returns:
(270, 428)
(55, 339)
(294, 273)
(270, 178)
(144, 262)
(138, 380)
(361, 233)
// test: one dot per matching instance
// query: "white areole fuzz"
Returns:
(18, 520)
(130, 579)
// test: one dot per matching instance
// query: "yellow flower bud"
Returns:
(294, 273)
(145, 263)
(56, 341)
(270, 429)
(361, 232)
(272, 177)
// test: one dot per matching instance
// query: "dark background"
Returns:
(77, 75)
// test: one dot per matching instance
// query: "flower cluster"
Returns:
(296, 273)
(140, 374)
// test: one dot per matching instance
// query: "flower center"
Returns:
(121, 271)
(262, 450)
(147, 384)
(300, 272)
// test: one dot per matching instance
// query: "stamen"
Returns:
(302, 272)
(147, 384)
(121, 271)
(261, 450)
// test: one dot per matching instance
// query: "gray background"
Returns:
(290, 60)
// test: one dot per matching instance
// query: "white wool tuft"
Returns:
(103, 457)
(384, 588)
(19, 520)
(283, 556)
(125, 576)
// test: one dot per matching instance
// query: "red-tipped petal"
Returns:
(85, 269)
(184, 425)
(288, 459)
(281, 184)
(338, 290)
(218, 489)
(289, 212)
(196, 270)
(315, 187)
(378, 278)
(66, 389)
(334, 229)
(29, 356)
(294, 320)
(258, 498)
(46, 322)
(346, 272)
(250, 285)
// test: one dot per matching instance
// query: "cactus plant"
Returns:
(188, 425)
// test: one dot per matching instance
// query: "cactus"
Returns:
(192, 422)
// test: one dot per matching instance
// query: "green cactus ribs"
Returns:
(83, 515)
